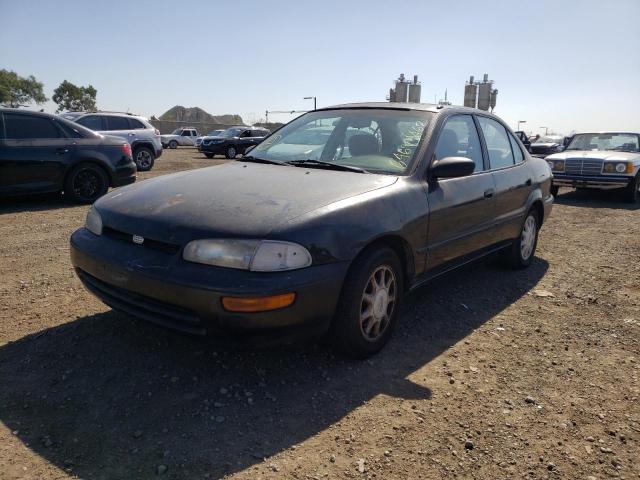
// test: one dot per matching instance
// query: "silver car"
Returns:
(183, 136)
(143, 137)
(604, 160)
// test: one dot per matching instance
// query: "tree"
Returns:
(72, 98)
(17, 91)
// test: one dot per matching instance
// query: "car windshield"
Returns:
(231, 132)
(177, 131)
(375, 140)
(71, 115)
(549, 140)
(622, 142)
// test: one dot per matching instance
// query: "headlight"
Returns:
(254, 255)
(556, 165)
(618, 167)
(93, 223)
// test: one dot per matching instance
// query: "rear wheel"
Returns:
(86, 183)
(173, 144)
(369, 303)
(631, 193)
(231, 152)
(554, 190)
(144, 158)
(521, 253)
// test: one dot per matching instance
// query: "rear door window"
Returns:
(136, 124)
(498, 145)
(117, 123)
(28, 127)
(92, 122)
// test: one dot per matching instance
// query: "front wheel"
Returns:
(631, 193)
(521, 253)
(369, 303)
(554, 190)
(231, 152)
(173, 144)
(86, 183)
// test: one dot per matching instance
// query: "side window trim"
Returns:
(512, 140)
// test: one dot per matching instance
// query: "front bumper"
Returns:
(164, 289)
(215, 148)
(602, 182)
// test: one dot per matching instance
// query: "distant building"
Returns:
(405, 91)
(480, 95)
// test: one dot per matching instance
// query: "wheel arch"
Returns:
(400, 247)
(92, 161)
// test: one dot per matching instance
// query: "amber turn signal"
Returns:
(257, 304)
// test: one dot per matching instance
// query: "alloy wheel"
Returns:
(528, 237)
(86, 184)
(143, 159)
(378, 302)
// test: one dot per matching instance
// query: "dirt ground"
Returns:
(491, 374)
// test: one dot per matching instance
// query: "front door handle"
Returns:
(489, 193)
(61, 151)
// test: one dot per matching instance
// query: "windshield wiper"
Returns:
(249, 158)
(325, 165)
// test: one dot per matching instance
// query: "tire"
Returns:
(631, 194)
(554, 190)
(518, 256)
(209, 155)
(231, 152)
(85, 183)
(173, 144)
(144, 158)
(351, 332)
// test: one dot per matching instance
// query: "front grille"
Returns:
(583, 166)
(144, 307)
(164, 247)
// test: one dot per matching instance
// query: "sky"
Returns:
(566, 65)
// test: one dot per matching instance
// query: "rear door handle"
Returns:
(489, 193)
(61, 151)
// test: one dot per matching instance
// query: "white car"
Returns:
(605, 161)
(184, 136)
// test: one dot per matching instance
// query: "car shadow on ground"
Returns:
(35, 203)
(594, 199)
(106, 396)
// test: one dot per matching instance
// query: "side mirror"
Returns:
(452, 167)
(248, 149)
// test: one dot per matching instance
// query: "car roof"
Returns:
(607, 133)
(424, 107)
(30, 112)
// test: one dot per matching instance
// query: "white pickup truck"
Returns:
(184, 136)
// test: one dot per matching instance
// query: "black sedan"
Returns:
(394, 196)
(42, 153)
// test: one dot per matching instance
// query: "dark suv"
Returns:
(232, 141)
(42, 153)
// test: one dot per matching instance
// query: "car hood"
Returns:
(545, 144)
(235, 199)
(595, 155)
